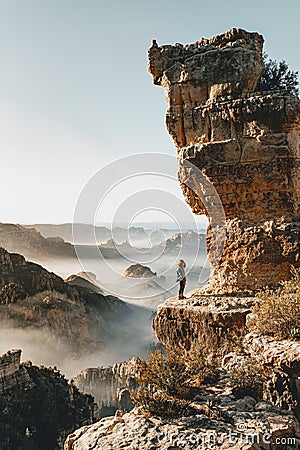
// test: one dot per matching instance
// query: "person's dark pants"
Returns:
(181, 288)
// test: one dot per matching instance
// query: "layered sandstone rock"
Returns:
(12, 374)
(238, 153)
(182, 323)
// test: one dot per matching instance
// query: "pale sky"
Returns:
(75, 93)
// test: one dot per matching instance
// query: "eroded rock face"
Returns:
(182, 323)
(108, 385)
(228, 64)
(245, 145)
(283, 387)
(12, 374)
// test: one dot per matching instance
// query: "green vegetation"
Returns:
(277, 75)
(248, 377)
(277, 312)
(168, 382)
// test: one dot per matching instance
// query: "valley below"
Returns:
(97, 316)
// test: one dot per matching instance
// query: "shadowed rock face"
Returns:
(38, 406)
(245, 145)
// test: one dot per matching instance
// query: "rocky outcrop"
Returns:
(238, 153)
(284, 356)
(251, 425)
(30, 243)
(39, 407)
(139, 271)
(282, 387)
(109, 385)
(239, 162)
(223, 418)
(84, 280)
(12, 374)
(182, 323)
(188, 241)
(228, 64)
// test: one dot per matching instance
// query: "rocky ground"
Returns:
(249, 425)
(223, 416)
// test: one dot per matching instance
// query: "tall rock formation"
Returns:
(12, 374)
(108, 385)
(237, 148)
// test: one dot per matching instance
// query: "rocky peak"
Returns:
(139, 271)
(12, 374)
(228, 64)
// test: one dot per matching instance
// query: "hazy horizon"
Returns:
(201, 221)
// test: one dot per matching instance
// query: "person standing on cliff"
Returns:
(181, 278)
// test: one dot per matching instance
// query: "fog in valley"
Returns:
(103, 263)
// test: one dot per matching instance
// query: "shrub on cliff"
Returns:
(277, 75)
(247, 378)
(168, 382)
(277, 312)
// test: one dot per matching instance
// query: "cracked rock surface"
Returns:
(238, 154)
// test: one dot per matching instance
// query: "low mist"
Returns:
(142, 295)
